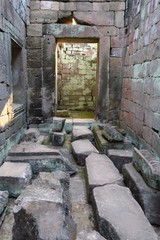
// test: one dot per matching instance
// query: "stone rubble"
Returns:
(147, 197)
(81, 149)
(41, 158)
(100, 171)
(14, 177)
(149, 166)
(81, 132)
(42, 212)
(119, 216)
(120, 157)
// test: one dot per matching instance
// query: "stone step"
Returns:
(147, 197)
(81, 132)
(81, 149)
(119, 216)
(149, 166)
(14, 177)
(100, 171)
(120, 157)
(42, 158)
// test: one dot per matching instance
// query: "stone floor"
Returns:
(81, 211)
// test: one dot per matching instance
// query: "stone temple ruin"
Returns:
(79, 120)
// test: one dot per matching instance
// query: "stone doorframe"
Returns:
(98, 34)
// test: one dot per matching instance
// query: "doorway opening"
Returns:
(76, 77)
(17, 77)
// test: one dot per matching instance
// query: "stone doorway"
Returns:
(76, 76)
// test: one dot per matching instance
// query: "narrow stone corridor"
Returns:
(93, 197)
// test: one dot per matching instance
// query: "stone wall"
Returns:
(100, 20)
(76, 76)
(13, 18)
(140, 108)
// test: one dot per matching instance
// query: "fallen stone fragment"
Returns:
(100, 171)
(58, 124)
(120, 157)
(41, 158)
(119, 216)
(31, 134)
(103, 145)
(14, 177)
(41, 212)
(81, 132)
(111, 134)
(81, 149)
(57, 138)
(149, 166)
(94, 235)
(147, 197)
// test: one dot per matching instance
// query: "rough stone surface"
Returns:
(14, 177)
(81, 149)
(120, 157)
(58, 138)
(100, 171)
(119, 216)
(31, 134)
(148, 198)
(94, 235)
(103, 145)
(58, 124)
(3, 200)
(111, 134)
(42, 158)
(42, 208)
(81, 132)
(149, 166)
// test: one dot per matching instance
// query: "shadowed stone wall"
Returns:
(13, 19)
(140, 106)
(100, 20)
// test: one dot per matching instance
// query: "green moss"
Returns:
(46, 141)
(81, 114)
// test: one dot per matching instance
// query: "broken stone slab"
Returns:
(14, 177)
(41, 158)
(111, 134)
(119, 216)
(58, 124)
(147, 197)
(57, 138)
(93, 235)
(149, 166)
(81, 149)
(56, 180)
(100, 171)
(42, 208)
(120, 157)
(31, 134)
(103, 145)
(81, 132)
